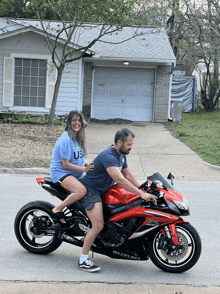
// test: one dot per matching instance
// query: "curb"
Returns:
(31, 171)
(46, 171)
(216, 167)
(53, 287)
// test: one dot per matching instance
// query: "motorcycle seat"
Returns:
(49, 182)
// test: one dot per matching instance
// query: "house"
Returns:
(128, 80)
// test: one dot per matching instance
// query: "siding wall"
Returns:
(32, 43)
(68, 95)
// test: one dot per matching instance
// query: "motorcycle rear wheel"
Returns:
(179, 260)
(30, 226)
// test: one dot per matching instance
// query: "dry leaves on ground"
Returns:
(30, 145)
(27, 145)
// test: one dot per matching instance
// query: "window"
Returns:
(30, 82)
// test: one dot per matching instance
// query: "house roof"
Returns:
(11, 27)
(150, 44)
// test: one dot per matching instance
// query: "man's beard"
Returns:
(124, 152)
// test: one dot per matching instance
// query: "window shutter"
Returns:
(8, 82)
(51, 80)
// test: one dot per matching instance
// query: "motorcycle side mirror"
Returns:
(171, 177)
(156, 184)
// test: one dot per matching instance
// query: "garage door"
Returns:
(123, 93)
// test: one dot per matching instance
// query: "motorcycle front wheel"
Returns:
(30, 226)
(180, 259)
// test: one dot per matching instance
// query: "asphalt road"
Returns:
(16, 264)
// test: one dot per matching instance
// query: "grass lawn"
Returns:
(201, 132)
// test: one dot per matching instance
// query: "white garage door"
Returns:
(123, 93)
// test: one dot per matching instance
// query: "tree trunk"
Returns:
(55, 96)
(216, 64)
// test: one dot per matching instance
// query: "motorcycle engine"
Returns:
(110, 237)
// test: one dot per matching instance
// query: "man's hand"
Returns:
(148, 197)
(117, 176)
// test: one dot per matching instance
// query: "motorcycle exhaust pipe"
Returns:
(71, 240)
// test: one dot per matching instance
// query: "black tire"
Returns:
(30, 223)
(180, 260)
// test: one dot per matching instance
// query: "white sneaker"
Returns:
(88, 266)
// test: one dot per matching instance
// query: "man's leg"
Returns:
(96, 217)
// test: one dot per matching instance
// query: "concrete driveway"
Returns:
(154, 149)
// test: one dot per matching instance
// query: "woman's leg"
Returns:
(77, 190)
(96, 217)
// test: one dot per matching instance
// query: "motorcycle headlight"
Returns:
(183, 206)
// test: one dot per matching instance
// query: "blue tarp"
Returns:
(182, 90)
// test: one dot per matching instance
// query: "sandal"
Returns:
(59, 215)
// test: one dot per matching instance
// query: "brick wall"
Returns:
(87, 88)
(162, 93)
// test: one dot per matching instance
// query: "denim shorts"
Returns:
(89, 200)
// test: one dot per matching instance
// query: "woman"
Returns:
(68, 161)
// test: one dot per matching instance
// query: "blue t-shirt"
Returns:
(98, 181)
(65, 148)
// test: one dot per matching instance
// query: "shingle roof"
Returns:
(151, 44)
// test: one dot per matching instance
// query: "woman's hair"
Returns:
(81, 134)
(123, 134)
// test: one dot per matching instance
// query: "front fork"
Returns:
(171, 233)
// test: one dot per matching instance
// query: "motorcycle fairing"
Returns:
(130, 250)
(111, 210)
(53, 188)
(147, 213)
(153, 220)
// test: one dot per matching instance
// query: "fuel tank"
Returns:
(116, 195)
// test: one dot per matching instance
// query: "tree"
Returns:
(172, 15)
(205, 22)
(23, 9)
(109, 18)
(194, 37)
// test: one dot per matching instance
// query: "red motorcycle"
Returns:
(134, 229)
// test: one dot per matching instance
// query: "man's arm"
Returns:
(130, 176)
(118, 177)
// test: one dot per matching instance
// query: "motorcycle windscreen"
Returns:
(159, 176)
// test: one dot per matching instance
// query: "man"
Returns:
(110, 167)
